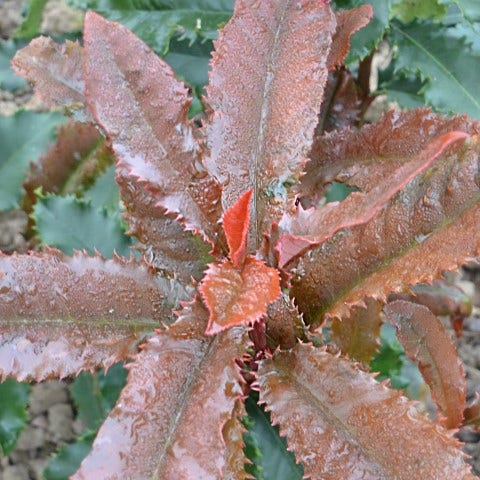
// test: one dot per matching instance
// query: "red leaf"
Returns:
(315, 225)
(179, 415)
(57, 73)
(134, 96)
(348, 22)
(236, 297)
(266, 101)
(342, 424)
(60, 315)
(235, 224)
(427, 342)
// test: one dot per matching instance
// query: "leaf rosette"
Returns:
(243, 259)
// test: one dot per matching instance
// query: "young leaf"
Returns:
(13, 412)
(235, 224)
(23, 136)
(70, 224)
(238, 297)
(181, 431)
(57, 73)
(264, 145)
(444, 61)
(356, 426)
(427, 342)
(59, 315)
(159, 150)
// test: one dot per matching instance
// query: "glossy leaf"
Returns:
(275, 462)
(257, 139)
(165, 243)
(13, 413)
(57, 73)
(180, 431)
(238, 297)
(356, 426)
(358, 335)
(401, 244)
(23, 136)
(451, 81)
(158, 150)
(427, 342)
(236, 221)
(156, 22)
(70, 224)
(66, 462)
(310, 227)
(61, 315)
(95, 395)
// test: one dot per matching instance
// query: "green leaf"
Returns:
(366, 39)
(23, 137)
(404, 89)
(190, 61)
(447, 64)
(409, 10)
(70, 223)
(8, 80)
(30, 27)
(95, 395)
(266, 449)
(156, 21)
(69, 458)
(104, 192)
(13, 413)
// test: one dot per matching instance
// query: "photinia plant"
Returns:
(244, 262)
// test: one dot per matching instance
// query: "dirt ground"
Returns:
(52, 414)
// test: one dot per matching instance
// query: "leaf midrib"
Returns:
(439, 64)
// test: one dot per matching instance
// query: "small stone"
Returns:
(60, 419)
(40, 421)
(16, 472)
(46, 394)
(31, 438)
(37, 466)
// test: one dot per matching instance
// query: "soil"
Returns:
(53, 421)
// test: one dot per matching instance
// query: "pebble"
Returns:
(46, 394)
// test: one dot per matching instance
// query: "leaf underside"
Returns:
(427, 226)
(178, 416)
(264, 144)
(427, 342)
(341, 423)
(60, 315)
